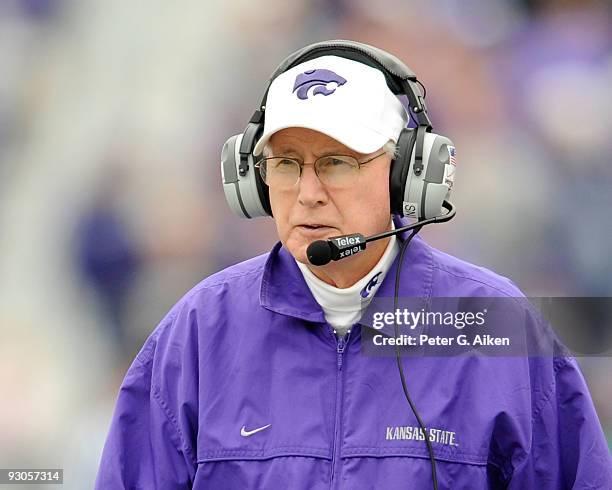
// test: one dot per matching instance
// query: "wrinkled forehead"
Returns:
(301, 141)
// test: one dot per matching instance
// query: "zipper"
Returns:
(340, 346)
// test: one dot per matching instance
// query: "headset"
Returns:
(420, 179)
(422, 172)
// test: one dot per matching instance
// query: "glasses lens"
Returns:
(279, 172)
(337, 170)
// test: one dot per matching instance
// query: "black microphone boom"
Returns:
(322, 252)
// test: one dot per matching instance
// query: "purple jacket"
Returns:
(243, 385)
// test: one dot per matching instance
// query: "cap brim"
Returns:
(360, 139)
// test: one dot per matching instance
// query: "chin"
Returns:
(301, 255)
(297, 249)
(297, 245)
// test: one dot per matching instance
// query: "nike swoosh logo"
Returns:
(247, 433)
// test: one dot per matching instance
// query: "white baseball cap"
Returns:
(347, 100)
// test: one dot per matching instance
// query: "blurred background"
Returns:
(112, 119)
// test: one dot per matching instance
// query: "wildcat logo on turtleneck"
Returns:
(365, 292)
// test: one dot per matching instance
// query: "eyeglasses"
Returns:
(334, 171)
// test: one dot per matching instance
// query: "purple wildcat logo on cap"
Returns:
(317, 79)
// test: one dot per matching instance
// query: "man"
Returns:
(255, 379)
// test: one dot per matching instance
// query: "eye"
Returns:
(280, 162)
(336, 162)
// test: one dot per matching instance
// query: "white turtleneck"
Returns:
(343, 306)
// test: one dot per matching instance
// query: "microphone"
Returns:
(322, 252)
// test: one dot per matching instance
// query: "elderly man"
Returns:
(256, 380)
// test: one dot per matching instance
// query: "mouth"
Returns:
(313, 228)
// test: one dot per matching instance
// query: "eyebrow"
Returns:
(286, 150)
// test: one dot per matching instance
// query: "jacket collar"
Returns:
(284, 290)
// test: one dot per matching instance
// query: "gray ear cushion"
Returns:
(263, 190)
(399, 169)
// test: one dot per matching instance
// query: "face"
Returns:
(310, 211)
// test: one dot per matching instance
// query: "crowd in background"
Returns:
(112, 119)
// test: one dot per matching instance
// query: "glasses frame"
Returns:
(301, 164)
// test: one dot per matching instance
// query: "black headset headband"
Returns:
(400, 79)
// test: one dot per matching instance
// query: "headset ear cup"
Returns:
(245, 192)
(400, 167)
(251, 136)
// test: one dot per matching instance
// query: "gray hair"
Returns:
(391, 149)
(266, 152)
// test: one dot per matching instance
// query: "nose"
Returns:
(311, 192)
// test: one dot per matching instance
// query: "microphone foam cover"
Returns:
(319, 252)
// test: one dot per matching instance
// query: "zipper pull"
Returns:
(341, 344)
